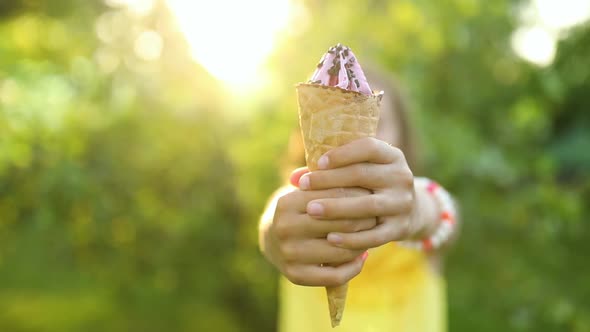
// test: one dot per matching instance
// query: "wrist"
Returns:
(437, 214)
(425, 215)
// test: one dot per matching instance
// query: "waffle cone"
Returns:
(330, 117)
(336, 302)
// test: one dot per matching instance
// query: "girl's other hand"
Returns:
(377, 166)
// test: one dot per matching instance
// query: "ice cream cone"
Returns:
(336, 302)
(330, 117)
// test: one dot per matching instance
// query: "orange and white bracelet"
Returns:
(448, 214)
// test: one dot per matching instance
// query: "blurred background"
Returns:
(140, 139)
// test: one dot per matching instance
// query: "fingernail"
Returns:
(334, 238)
(364, 256)
(323, 162)
(315, 209)
(304, 182)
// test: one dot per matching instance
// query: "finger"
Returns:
(296, 174)
(309, 227)
(375, 237)
(367, 206)
(366, 175)
(316, 251)
(297, 200)
(330, 276)
(367, 149)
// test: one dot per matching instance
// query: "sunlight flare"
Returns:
(232, 39)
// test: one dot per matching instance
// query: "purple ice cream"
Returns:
(339, 68)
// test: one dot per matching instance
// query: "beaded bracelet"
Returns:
(447, 223)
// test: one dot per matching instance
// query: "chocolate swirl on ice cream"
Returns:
(339, 67)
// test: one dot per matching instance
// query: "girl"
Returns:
(364, 199)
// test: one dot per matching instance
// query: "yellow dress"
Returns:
(397, 291)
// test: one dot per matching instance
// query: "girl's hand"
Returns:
(296, 243)
(375, 165)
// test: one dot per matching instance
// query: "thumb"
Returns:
(296, 175)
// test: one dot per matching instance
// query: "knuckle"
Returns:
(285, 202)
(405, 231)
(350, 226)
(382, 175)
(334, 155)
(363, 224)
(361, 171)
(357, 191)
(282, 230)
(397, 152)
(340, 192)
(347, 192)
(288, 251)
(292, 274)
(378, 239)
(353, 226)
(367, 224)
(407, 178)
(377, 205)
(317, 180)
(281, 204)
(341, 279)
(359, 226)
(410, 174)
(373, 145)
(392, 234)
(407, 201)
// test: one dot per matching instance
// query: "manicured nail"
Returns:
(323, 162)
(315, 209)
(334, 238)
(304, 182)
(364, 256)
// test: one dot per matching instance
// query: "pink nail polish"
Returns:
(364, 256)
(315, 209)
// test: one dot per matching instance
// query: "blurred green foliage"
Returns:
(130, 189)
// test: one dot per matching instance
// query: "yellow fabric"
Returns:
(397, 291)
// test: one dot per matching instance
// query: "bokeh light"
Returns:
(148, 45)
(562, 14)
(535, 45)
(232, 38)
(543, 23)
